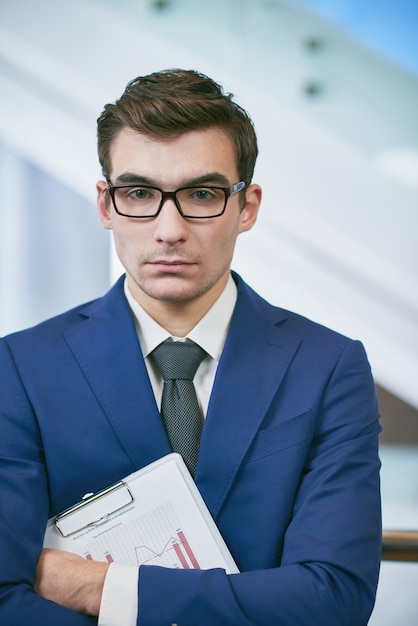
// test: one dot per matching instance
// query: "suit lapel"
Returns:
(106, 347)
(255, 358)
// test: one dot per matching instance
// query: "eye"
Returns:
(140, 194)
(204, 194)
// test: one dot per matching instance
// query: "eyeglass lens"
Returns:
(193, 201)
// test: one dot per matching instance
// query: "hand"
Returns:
(71, 581)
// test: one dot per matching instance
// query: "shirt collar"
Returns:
(209, 333)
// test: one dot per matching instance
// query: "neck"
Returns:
(179, 317)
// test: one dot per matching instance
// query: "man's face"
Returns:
(169, 258)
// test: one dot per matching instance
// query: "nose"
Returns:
(170, 226)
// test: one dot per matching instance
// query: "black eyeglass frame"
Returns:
(165, 195)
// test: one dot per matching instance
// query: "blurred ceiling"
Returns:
(389, 28)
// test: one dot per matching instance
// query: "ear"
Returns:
(103, 204)
(249, 213)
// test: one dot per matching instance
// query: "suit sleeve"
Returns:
(330, 560)
(24, 504)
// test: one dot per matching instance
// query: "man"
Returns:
(288, 463)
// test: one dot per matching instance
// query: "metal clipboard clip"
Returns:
(93, 508)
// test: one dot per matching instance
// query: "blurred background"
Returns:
(332, 86)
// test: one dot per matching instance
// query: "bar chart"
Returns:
(154, 538)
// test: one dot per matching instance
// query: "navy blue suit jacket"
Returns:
(288, 464)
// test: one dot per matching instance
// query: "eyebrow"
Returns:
(211, 178)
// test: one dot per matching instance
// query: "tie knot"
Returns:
(178, 359)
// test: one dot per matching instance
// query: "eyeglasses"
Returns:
(141, 201)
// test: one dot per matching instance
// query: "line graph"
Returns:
(154, 538)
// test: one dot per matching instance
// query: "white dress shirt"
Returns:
(119, 604)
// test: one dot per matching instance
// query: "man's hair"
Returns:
(171, 102)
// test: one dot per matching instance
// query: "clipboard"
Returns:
(93, 508)
(154, 516)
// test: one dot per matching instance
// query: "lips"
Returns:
(171, 265)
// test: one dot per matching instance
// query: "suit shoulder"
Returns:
(295, 323)
(51, 326)
(56, 325)
(311, 328)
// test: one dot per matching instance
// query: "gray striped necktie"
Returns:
(178, 362)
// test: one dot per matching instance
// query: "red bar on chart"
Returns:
(188, 549)
(180, 555)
